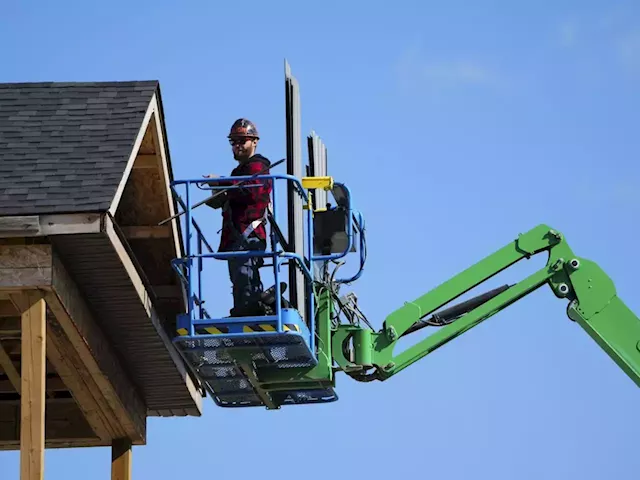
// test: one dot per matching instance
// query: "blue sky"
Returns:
(456, 126)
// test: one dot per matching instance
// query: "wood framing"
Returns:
(44, 225)
(76, 347)
(144, 197)
(148, 180)
(10, 370)
(121, 460)
(32, 405)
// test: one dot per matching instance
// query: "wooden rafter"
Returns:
(9, 368)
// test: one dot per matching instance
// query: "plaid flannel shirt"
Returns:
(246, 204)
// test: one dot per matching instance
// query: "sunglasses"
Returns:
(239, 141)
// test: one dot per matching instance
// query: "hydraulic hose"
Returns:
(449, 314)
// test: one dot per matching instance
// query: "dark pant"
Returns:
(244, 273)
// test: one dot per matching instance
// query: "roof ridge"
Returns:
(87, 83)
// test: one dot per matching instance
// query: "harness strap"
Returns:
(253, 225)
(256, 223)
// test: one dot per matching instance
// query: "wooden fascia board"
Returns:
(132, 158)
(159, 134)
(54, 224)
(59, 443)
(77, 346)
(145, 299)
(168, 169)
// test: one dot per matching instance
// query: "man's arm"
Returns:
(253, 191)
(219, 183)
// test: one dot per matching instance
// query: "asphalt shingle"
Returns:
(64, 146)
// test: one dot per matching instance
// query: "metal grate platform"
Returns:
(230, 354)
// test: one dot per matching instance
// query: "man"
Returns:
(244, 212)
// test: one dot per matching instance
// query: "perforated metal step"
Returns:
(230, 355)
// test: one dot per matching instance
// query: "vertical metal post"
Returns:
(324, 172)
(295, 202)
(310, 266)
(276, 259)
(188, 257)
(200, 308)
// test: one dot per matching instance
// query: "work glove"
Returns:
(219, 200)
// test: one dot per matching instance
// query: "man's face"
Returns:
(242, 148)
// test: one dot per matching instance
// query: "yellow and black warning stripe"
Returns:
(266, 327)
(217, 330)
(205, 330)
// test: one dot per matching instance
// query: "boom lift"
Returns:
(292, 356)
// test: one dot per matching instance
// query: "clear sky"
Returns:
(457, 125)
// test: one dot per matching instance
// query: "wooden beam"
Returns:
(78, 349)
(121, 460)
(145, 232)
(64, 426)
(7, 309)
(32, 406)
(25, 266)
(9, 327)
(84, 390)
(19, 226)
(54, 384)
(44, 225)
(10, 369)
(76, 442)
(120, 400)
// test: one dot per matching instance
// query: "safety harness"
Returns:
(252, 226)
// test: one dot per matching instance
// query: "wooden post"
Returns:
(121, 459)
(32, 401)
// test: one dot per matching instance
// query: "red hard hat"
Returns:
(243, 128)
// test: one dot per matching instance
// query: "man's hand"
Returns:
(211, 175)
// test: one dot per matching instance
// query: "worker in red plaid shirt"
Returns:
(244, 211)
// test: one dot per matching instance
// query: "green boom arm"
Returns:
(591, 295)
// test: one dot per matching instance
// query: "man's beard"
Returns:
(241, 155)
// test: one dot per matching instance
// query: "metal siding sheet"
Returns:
(295, 203)
(318, 162)
(94, 265)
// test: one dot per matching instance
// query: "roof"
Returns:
(65, 149)
(64, 146)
